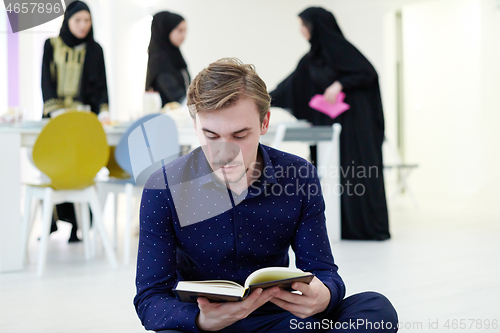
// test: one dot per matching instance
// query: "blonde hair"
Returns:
(225, 82)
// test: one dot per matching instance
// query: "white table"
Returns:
(12, 138)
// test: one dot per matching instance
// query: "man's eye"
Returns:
(211, 137)
(240, 137)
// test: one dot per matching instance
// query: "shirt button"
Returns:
(240, 235)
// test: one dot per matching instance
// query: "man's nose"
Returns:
(224, 152)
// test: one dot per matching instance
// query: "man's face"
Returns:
(230, 139)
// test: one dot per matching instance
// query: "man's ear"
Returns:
(265, 123)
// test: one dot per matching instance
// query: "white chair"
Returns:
(403, 170)
(147, 143)
(70, 150)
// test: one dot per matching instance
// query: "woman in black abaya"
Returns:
(73, 71)
(333, 65)
(167, 70)
(73, 74)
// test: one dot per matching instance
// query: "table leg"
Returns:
(10, 203)
(329, 171)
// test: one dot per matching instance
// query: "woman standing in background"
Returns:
(333, 65)
(167, 70)
(73, 74)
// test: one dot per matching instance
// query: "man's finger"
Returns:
(304, 288)
(202, 301)
(290, 297)
(253, 296)
(295, 309)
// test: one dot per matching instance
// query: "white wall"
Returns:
(490, 89)
(443, 109)
(3, 63)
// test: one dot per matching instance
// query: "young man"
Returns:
(234, 206)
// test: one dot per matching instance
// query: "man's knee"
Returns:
(379, 311)
(368, 312)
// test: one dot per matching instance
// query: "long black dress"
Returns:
(332, 58)
(167, 70)
(73, 73)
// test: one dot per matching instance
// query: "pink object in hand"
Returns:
(319, 103)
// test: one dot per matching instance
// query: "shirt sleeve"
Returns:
(155, 303)
(311, 244)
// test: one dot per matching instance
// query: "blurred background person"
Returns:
(333, 65)
(73, 71)
(167, 71)
(74, 75)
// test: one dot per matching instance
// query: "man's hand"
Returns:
(332, 91)
(216, 316)
(314, 299)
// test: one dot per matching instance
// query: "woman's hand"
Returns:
(332, 91)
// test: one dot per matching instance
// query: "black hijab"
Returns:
(93, 86)
(329, 46)
(330, 58)
(65, 34)
(163, 55)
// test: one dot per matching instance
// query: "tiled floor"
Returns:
(441, 264)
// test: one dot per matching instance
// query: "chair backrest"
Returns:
(115, 171)
(279, 136)
(147, 144)
(71, 149)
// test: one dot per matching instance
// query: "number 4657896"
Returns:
(471, 323)
(34, 7)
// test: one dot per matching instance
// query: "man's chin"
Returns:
(229, 177)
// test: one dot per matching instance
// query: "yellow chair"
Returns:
(70, 150)
(115, 171)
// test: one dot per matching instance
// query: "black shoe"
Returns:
(73, 238)
(53, 226)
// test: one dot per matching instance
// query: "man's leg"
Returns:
(364, 312)
(271, 318)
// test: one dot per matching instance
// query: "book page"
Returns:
(212, 287)
(214, 283)
(273, 273)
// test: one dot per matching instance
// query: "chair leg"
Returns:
(85, 228)
(115, 220)
(44, 237)
(27, 221)
(103, 195)
(100, 228)
(129, 189)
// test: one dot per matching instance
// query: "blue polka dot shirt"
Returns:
(194, 228)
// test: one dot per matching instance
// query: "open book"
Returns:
(229, 291)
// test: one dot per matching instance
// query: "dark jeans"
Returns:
(367, 312)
